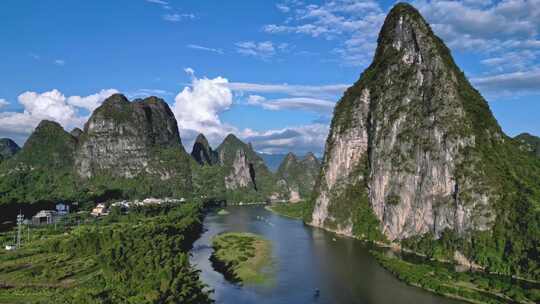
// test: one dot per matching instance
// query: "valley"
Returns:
(419, 196)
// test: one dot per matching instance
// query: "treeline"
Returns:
(142, 258)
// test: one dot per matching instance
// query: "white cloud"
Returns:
(298, 103)
(51, 105)
(176, 17)
(204, 48)
(142, 93)
(282, 7)
(198, 106)
(322, 91)
(524, 82)
(161, 2)
(91, 102)
(263, 50)
(300, 139)
(60, 62)
(3, 103)
(354, 23)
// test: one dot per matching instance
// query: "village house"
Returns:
(44, 217)
(100, 210)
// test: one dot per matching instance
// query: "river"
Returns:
(304, 259)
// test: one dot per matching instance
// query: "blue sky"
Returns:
(269, 71)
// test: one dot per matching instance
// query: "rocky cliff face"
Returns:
(298, 176)
(406, 137)
(126, 139)
(8, 148)
(243, 168)
(76, 132)
(203, 153)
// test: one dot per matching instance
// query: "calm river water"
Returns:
(305, 259)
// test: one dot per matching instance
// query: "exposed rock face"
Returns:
(530, 143)
(129, 139)
(203, 153)
(243, 168)
(298, 177)
(76, 132)
(8, 148)
(403, 135)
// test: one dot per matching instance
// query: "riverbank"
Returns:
(242, 257)
(295, 211)
(474, 287)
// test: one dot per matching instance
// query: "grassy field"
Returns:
(292, 210)
(474, 287)
(242, 257)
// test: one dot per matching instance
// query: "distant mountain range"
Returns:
(133, 149)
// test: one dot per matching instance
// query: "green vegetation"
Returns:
(223, 212)
(474, 287)
(299, 174)
(141, 257)
(297, 211)
(530, 143)
(242, 257)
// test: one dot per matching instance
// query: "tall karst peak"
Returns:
(243, 167)
(202, 152)
(297, 177)
(129, 139)
(400, 139)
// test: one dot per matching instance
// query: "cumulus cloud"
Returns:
(197, 108)
(3, 103)
(298, 103)
(69, 111)
(91, 102)
(60, 62)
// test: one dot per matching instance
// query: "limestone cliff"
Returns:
(243, 169)
(415, 156)
(298, 176)
(408, 122)
(203, 153)
(132, 139)
(76, 132)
